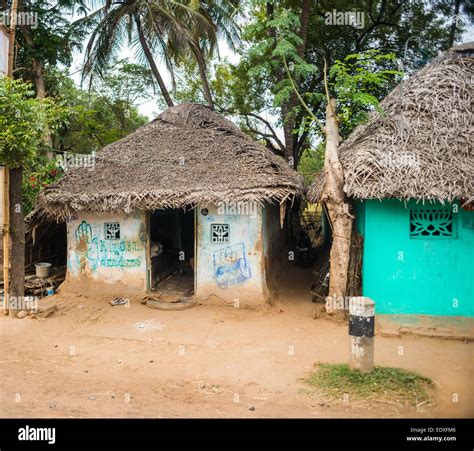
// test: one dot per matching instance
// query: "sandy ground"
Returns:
(92, 360)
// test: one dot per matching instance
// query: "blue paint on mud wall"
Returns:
(104, 253)
(108, 247)
(231, 266)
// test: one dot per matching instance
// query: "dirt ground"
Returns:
(92, 360)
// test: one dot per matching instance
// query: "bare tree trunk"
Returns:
(202, 73)
(339, 213)
(17, 233)
(151, 62)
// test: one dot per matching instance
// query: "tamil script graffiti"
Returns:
(231, 266)
(113, 254)
(95, 252)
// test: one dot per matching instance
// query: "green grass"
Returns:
(404, 386)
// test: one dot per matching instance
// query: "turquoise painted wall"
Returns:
(423, 275)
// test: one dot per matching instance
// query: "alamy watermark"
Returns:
(400, 159)
(30, 433)
(76, 160)
(354, 19)
(21, 18)
(241, 208)
(342, 302)
(19, 303)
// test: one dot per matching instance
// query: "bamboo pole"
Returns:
(6, 238)
(6, 170)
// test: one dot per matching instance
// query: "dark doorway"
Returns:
(172, 251)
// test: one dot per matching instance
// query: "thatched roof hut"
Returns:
(422, 147)
(188, 155)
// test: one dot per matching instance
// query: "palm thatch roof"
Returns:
(188, 155)
(422, 147)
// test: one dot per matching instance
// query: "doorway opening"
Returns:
(172, 237)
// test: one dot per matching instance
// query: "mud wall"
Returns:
(273, 243)
(229, 261)
(108, 247)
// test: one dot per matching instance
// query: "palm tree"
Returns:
(170, 28)
(221, 13)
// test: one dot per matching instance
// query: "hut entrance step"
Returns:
(176, 284)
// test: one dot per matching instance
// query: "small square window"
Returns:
(432, 223)
(220, 233)
(112, 230)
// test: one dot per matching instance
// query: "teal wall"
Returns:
(423, 275)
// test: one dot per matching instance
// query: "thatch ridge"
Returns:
(422, 147)
(188, 155)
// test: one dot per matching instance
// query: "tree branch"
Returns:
(266, 136)
(268, 125)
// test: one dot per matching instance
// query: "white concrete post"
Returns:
(361, 333)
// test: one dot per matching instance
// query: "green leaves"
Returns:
(24, 121)
(104, 114)
(37, 175)
(357, 82)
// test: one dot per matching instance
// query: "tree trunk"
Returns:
(41, 94)
(6, 238)
(13, 237)
(17, 236)
(37, 64)
(304, 25)
(339, 212)
(38, 77)
(452, 31)
(202, 73)
(153, 67)
(288, 126)
(289, 122)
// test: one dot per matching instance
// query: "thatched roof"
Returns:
(188, 155)
(422, 147)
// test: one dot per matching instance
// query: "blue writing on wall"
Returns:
(105, 253)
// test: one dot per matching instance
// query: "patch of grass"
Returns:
(405, 386)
